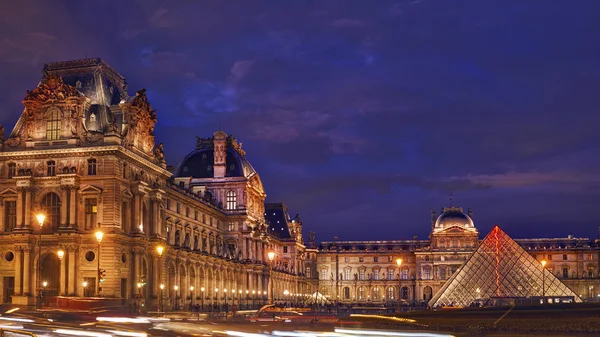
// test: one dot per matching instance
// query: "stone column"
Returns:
(64, 205)
(2, 215)
(71, 277)
(18, 278)
(20, 202)
(63, 278)
(137, 212)
(28, 208)
(26, 270)
(73, 208)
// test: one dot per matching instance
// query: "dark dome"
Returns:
(453, 216)
(200, 164)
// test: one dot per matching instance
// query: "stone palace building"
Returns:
(412, 271)
(83, 154)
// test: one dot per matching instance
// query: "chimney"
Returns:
(433, 218)
(220, 147)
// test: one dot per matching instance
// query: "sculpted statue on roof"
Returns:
(52, 87)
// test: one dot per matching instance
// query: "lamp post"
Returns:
(99, 236)
(139, 285)
(191, 297)
(247, 291)
(225, 295)
(543, 262)
(399, 263)
(271, 256)
(253, 296)
(159, 251)
(175, 287)
(240, 298)
(40, 218)
(84, 284)
(217, 298)
(202, 298)
(61, 253)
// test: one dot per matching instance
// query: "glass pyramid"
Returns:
(499, 269)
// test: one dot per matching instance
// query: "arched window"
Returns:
(177, 238)
(51, 208)
(389, 293)
(231, 200)
(404, 293)
(346, 293)
(427, 293)
(53, 125)
(361, 293)
(376, 294)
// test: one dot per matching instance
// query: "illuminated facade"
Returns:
(370, 272)
(83, 153)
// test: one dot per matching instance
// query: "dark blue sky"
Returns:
(359, 115)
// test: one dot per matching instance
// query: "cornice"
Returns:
(81, 150)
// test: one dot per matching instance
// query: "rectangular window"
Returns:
(361, 259)
(231, 227)
(91, 167)
(53, 125)
(443, 273)
(179, 208)
(346, 274)
(346, 259)
(565, 272)
(91, 209)
(427, 273)
(12, 170)
(376, 274)
(390, 258)
(307, 272)
(187, 212)
(390, 274)
(361, 274)
(323, 274)
(10, 215)
(195, 215)
(51, 168)
(375, 259)
(549, 257)
(590, 257)
(404, 274)
(231, 200)
(285, 249)
(565, 257)
(123, 216)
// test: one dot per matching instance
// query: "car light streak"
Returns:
(244, 334)
(391, 333)
(122, 320)
(12, 319)
(128, 333)
(81, 333)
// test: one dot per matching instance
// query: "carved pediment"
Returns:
(91, 189)
(127, 193)
(8, 192)
(141, 119)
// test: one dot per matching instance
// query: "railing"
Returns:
(16, 333)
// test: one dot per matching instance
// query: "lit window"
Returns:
(346, 293)
(346, 274)
(590, 257)
(389, 258)
(376, 293)
(51, 207)
(51, 168)
(427, 273)
(390, 274)
(91, 167)
(361, 259)
(324, 274)
(361, 274)
(390, 293)
(404, 274)
(53, 125)
(307, 272)
(91, 210)
(376, 274)
(361, 293)
(231, 200)
(231, 227)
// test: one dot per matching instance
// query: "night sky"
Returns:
(361, 116)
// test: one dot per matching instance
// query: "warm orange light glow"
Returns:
(271, 255)
(398, 261)
(40, 218)
(543, 262)
(60, 254)
(191, 288)
(159, 250)
(99, 236)
(175, 287)
(162, 286)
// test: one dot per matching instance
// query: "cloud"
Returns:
(347, 23)
(160, 19)
(515, 179)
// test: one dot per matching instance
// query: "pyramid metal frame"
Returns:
(499, 268)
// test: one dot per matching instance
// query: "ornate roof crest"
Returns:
(52, 88)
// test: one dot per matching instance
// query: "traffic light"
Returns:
(102, 275)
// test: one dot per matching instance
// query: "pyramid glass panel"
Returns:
(499, 269)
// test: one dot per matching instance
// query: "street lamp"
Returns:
(159, 250)
(175, 287)
(84, 284)
(543, 262)
(240, 298)
(253, 297)
(139, 285)
(247, 291)
(202, 298)
(271, 256)
(40, 218)
(217, 298)
(226, 309)
(399, 263)
(99, 236)
(191, 297)
(61, 254)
